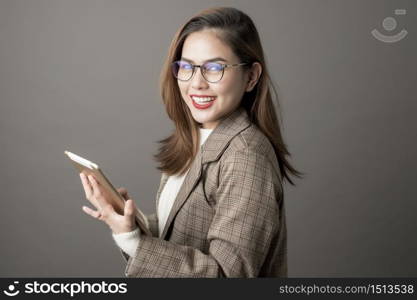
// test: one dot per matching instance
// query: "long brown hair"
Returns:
(237, 30)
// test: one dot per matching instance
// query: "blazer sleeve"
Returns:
(245, 222)
(153, 224)
(153, 227)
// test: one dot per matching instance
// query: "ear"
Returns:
(254, 74)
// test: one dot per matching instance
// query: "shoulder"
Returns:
(251, 146)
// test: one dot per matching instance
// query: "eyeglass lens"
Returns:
(211, 71)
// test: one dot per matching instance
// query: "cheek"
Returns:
(183, 90)
(232, 92)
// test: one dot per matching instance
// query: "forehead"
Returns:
(204, 45)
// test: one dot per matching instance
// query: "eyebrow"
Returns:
(208, 60)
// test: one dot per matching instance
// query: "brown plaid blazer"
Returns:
(228, 219)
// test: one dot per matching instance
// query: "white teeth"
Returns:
(203, 99)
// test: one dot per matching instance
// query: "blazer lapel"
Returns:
(211, 150)
(164, 179)
(190, 180)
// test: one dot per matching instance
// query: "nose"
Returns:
(198, 81)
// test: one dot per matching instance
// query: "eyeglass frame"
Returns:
(224, 66)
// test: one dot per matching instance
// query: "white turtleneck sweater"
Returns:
(129, 241)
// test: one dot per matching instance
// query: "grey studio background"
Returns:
(83, 76)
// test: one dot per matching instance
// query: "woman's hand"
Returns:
(105, 212)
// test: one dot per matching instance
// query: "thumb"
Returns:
(129, 209)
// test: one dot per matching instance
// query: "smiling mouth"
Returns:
(202, 102)
(202, 99)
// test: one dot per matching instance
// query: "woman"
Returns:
(220, 209)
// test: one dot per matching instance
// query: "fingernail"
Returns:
(90, 177)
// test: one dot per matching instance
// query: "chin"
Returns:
(199, 115)
(202, 120)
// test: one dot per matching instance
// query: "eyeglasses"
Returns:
(211, 71)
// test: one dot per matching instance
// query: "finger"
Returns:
(86, 185)
(88, 189)
(108, 213)
(129, 214)
(129, 209)
(122, 191)
(97, 191)
(95, 214)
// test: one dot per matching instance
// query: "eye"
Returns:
(185, 65)
(213, 67)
